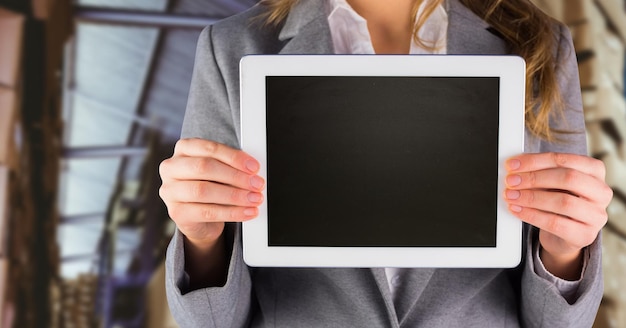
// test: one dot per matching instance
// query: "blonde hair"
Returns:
(528, 33)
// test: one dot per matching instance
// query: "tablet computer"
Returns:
(382, 161)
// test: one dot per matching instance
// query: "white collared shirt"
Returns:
(351, 36)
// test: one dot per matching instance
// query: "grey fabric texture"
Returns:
(360, 297)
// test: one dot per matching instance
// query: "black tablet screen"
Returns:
(382, 161)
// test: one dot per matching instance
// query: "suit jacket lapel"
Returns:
(306, 29)
(468, 34)
(414, 284)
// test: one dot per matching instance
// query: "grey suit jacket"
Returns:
(289, 297)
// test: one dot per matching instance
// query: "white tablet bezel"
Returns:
(510, 70)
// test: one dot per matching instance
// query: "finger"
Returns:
(570, 180)
(559, 203)
(209, 169)
(536, 162)
(188, 191)
(186, 213)
(206, 148)
(571, 231)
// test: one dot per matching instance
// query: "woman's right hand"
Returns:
(206, 184)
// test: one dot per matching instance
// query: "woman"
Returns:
(208, 184)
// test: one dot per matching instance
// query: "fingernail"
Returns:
(515, 208)
(514, 164)
(512, 194)
(513, 180)
(257, 182)
(252, 165)
(250, 212)
(255, 197)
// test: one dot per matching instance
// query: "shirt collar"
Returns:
(350, 34)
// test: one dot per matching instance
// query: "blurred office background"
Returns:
(92, 96)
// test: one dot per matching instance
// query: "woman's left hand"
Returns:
(565, 196)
